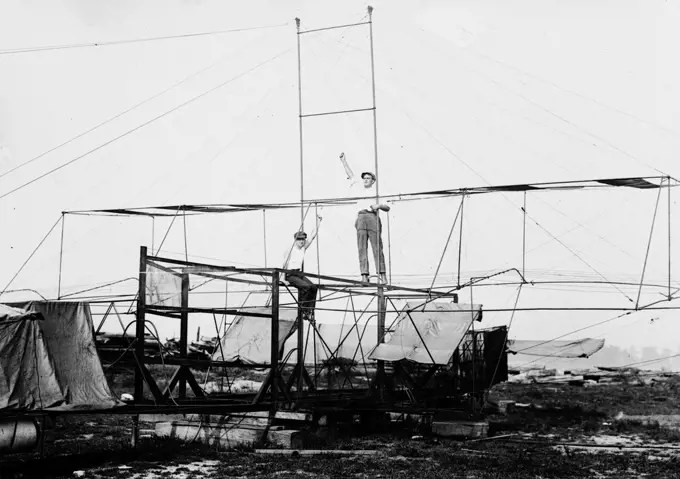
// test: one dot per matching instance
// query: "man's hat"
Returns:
(300, 235)
(369, 174)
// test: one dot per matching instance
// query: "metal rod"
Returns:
(275, 340)
(153, 233)
(337, 112)
(186, 246)
(669, 238)
(460, 237)
(381, 291)
(184, 331)
(524, 235)
(61, 253)
(389, 249)
(445, 248)
(264, 234)
(302, 177)
(649, 244)
(333, 28)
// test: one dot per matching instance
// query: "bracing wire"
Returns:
(115, 117)
(31, 255)
(142, 125)
(44, 48)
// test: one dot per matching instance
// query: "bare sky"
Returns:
(468, 94)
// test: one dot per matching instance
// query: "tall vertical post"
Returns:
(382, 304)
(668, 180)
(275, 340)
(264, 235)
(153, 233)
(139, 325)
(302, 170)
(61, 253)
(524, 235)
(460, 237)
(184, 331)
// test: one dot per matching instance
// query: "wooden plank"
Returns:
(161, 417)
(280, 415)
(228, 436)
(319, 452)
(286, 438)
(466, 429)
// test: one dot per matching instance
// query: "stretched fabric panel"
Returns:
(162, 288)
(582, 348)
(248, 339)
(69, 335)
(27, 376)
(428, 333)
(343, 340)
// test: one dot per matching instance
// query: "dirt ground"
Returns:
(624, 429)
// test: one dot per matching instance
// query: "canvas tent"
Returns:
(48, 358)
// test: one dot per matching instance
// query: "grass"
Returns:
(562, 413)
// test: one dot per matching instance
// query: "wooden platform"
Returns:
(229, 431)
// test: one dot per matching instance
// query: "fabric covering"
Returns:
(162, 287)
(343, 341)
(27, 376)
(582, 348)
(248, 338)
(68, 336)
(428, 333)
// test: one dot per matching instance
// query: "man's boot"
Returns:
(365, 278)
(383, 278)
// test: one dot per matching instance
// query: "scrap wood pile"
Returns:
(587, 377)
(119, 348)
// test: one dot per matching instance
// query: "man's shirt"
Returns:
(296, 258)
(357, 189)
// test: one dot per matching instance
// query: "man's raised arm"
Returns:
(312, 236)
(348, 170)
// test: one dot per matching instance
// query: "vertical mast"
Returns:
(302, 178)
(381, 291)
(375, 119)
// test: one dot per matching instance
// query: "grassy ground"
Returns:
(555, 414)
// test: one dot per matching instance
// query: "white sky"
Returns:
(468, 94)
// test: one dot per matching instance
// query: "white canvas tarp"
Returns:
(343, 341)
(248, 338)
(69, 338)
(581, 348)
(428, 333)
(27, 376)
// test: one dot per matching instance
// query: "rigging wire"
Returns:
(142, 125)
(507, 199)
(118, 115)
(568, 90)
(550, 112)
(44, 48)
(31, 255)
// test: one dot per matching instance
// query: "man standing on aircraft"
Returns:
(294, 259)
(368, 223)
